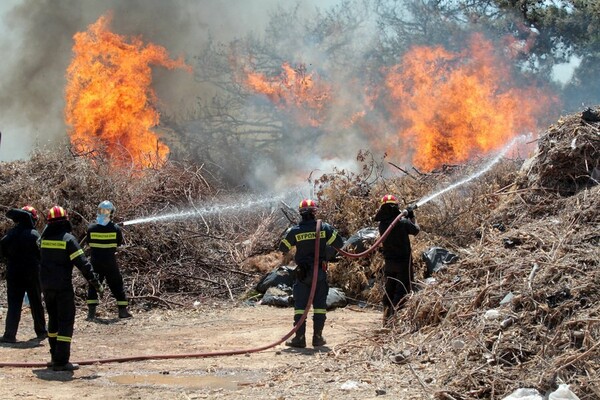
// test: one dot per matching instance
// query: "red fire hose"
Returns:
(377, 242)
(200, 355)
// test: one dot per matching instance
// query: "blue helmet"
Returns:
(106, 205)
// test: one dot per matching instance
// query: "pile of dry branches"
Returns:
(166, 263)
(521, 308)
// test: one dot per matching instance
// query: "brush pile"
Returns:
(521, 308)
(173, 262)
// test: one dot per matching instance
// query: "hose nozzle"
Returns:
(408, 212)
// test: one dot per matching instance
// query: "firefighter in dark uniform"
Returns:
(104, 237)
(303, 237)
(59, 252)
(20, 248)
(397, 269)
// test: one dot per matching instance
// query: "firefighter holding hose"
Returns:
(59, 252)
(104, 237)
(397, 269)
(303, 236)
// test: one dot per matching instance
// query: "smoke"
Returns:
(36, 37)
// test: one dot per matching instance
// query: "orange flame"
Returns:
(109, 101)
(453, 106)
(295, 90)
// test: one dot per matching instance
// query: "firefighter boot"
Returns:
(91, 312)
(318, 339)
(65, 367)
(298, 341)
(124, 313)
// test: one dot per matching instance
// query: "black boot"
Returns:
(298, 341)
(318, 339)
(65, 367)
(91, 312)
(124, 313)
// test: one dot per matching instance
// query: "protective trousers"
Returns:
(16, 287)
(301, 292)
(60, 305)
(109, 271)
(398, 283)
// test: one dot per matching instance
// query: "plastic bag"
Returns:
(563, 393)
(524, 394)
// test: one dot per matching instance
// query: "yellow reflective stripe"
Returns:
(52, 334)
(309, 236)
(122, 303)
(319, 311)
(64, 339)
(76, 254)
(286, 243)
(54, 244)
(103, 235)
(332, 239)
(93, 301)
(103, 245)
(298, 312)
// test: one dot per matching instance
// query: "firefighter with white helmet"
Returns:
(103, 237)
(303, 237)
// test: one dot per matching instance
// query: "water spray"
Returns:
(496, 159)
(212, 210)
(430, 197)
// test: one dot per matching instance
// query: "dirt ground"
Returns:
(338, 370)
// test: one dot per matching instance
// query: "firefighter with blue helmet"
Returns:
(303, 236)
(103, 237)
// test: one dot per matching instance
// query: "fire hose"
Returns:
(311, 296)
(381, 238)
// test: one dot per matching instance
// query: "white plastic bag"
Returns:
(524, 394)
(563, 393)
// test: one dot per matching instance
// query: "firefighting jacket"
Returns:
(20, 245)
(396, 246)
(59, 252)
(303, 237)
(103, 241)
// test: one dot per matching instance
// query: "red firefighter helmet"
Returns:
(307, 206)
(389, 199)
(31, 211)
(57, 213)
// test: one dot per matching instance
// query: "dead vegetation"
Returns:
(519, 308)
(166, 263)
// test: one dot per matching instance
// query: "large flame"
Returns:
(449, 107)
(438, 106)
(109, 101)
(301, 93)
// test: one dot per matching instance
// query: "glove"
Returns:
(98, 287)
(410, 214)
